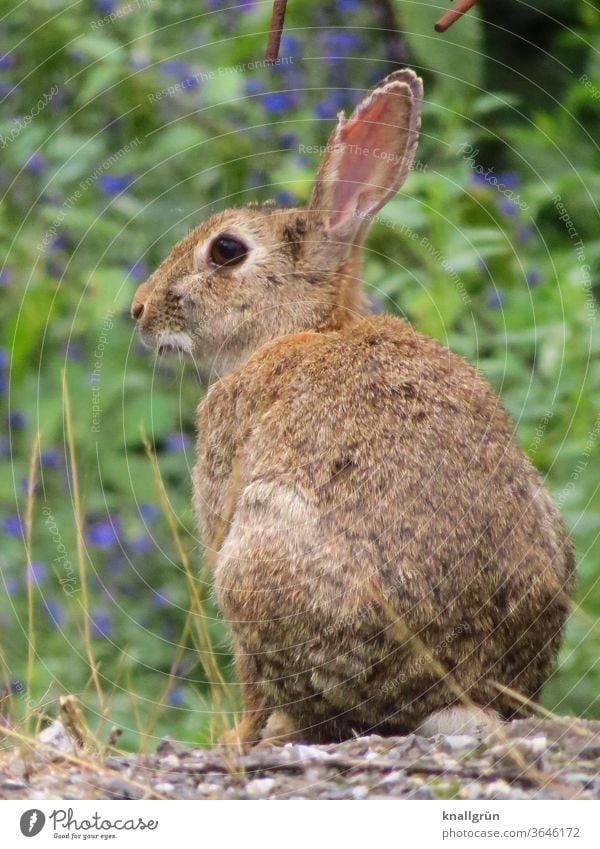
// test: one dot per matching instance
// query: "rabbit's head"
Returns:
(249, 275)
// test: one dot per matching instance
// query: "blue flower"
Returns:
(113, 184)
(175, 66)
(338, 44)
(495, 298)
(253, 86)
(105, 6)
(178, 441)
(73, 350)
(12, 586)
(478, 179)
(160, 598)
(330, 105)
(275, 101)
(138, 270)
(60, 243)
(148, 511)
(509, 178)
(54, 611)
(6, 276)
(348, 5)
(524, 233)
(16, 419)
(3, 358)
(289, 45)
(508, 207)
(36, 572)
(7, 60)
(285, 199)
(36, 163)
(176, 696)
(104, 533)
(49, 459)
(288, 140)
(534, 277)
(140, 544)
(4, 446)
(189, 81)
(101, 622)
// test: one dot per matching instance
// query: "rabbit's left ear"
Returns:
(368, 156)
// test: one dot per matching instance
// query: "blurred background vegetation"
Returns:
(122, 125)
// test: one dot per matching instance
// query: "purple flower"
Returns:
(3, 358)
(279, 101)
(347, 5)
(189, 81)
(16, 419)
(140, 544)
(174, 66)
(176, 697)
(160, 598)
(73, 350)
(289, 45)
(6, 276)
(36, 163)
(101, 623)
(60, 243)
(49, 458)
(289, 140)
(36, 572)
(508, 207)
(338, 44)
(148, 511)
(330, 105)
(114, 184)
(524, 233)
(478, 179)
(7, 60)
(54, 611)
(104, 533)
(105, 7)
(285, 199)
(12, 586)
(178, 441)
(138, 270)
(253, 86)
(13, 526)
(4, 446)
(509, 178)
(534, 277)
(495, 298)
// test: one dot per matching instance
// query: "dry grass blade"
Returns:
(78, 515)
(220, 690)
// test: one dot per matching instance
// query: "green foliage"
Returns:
(119, 132)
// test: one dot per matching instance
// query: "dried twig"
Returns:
(272, 51)
(454, 14)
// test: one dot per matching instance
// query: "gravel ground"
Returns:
(526, 759)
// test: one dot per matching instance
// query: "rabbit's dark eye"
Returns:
(227, 251)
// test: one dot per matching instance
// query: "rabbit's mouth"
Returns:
(173, 343)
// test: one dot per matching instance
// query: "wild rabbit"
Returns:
(386, 556)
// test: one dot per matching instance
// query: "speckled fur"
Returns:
(358, 486)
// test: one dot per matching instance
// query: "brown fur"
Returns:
(380, 542)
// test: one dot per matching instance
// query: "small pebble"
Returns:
(259, 788)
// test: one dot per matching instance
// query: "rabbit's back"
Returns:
(373, 489)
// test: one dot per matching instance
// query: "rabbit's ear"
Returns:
(368, 156)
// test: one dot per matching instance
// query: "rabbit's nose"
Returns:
(137, 311)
